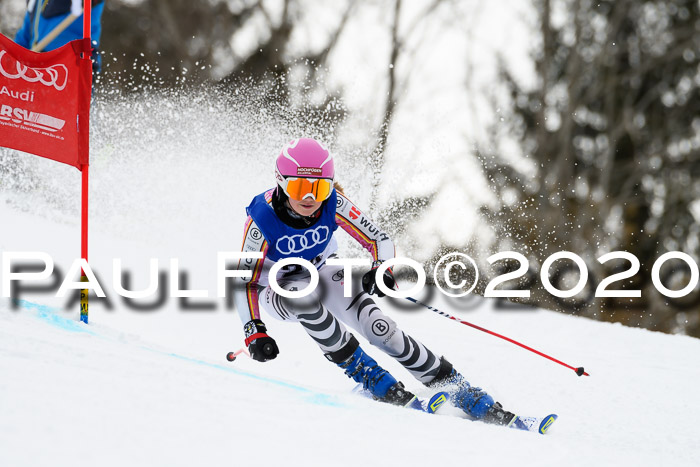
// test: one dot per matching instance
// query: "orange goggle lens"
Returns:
(300, 188)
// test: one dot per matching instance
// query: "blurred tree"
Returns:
(611, 132)
(172, 37)
(397, 81)
(235, 43)
(248, 43)
(11, 16)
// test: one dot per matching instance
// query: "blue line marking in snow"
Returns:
(314, 397)
(51, 316)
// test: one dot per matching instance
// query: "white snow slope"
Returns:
(170, 178)
(154, 389)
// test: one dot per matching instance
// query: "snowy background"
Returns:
(158, 391)
(444, 76)
(154, 388)
(171, 173)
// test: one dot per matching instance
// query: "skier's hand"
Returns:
(261, 346)
(369, 280)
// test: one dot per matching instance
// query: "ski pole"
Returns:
(231, 356)
(579, 370)
(67, 21)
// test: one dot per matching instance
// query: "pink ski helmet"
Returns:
(304, 168)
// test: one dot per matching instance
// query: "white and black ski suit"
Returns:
(326, 312)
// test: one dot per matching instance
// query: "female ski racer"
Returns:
(298, 218)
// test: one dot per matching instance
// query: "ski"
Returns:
(431, 405)
(533, 424)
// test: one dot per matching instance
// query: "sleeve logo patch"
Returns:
(255, 234)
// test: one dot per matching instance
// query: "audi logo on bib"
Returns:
(297, 243)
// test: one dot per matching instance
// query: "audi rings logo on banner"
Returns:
(298, 243)
(54, 76)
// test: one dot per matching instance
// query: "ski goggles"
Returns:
(299, 189)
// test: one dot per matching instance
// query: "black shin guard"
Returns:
(444, 374)
(340, 355)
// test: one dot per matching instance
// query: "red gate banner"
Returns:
(45, 101)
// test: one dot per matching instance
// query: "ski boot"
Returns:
(474, 401)
(498, 416)
(363, 369)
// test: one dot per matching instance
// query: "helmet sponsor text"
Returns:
(309, 171)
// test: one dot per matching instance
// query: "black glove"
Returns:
(369, 280)
(261, 346)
